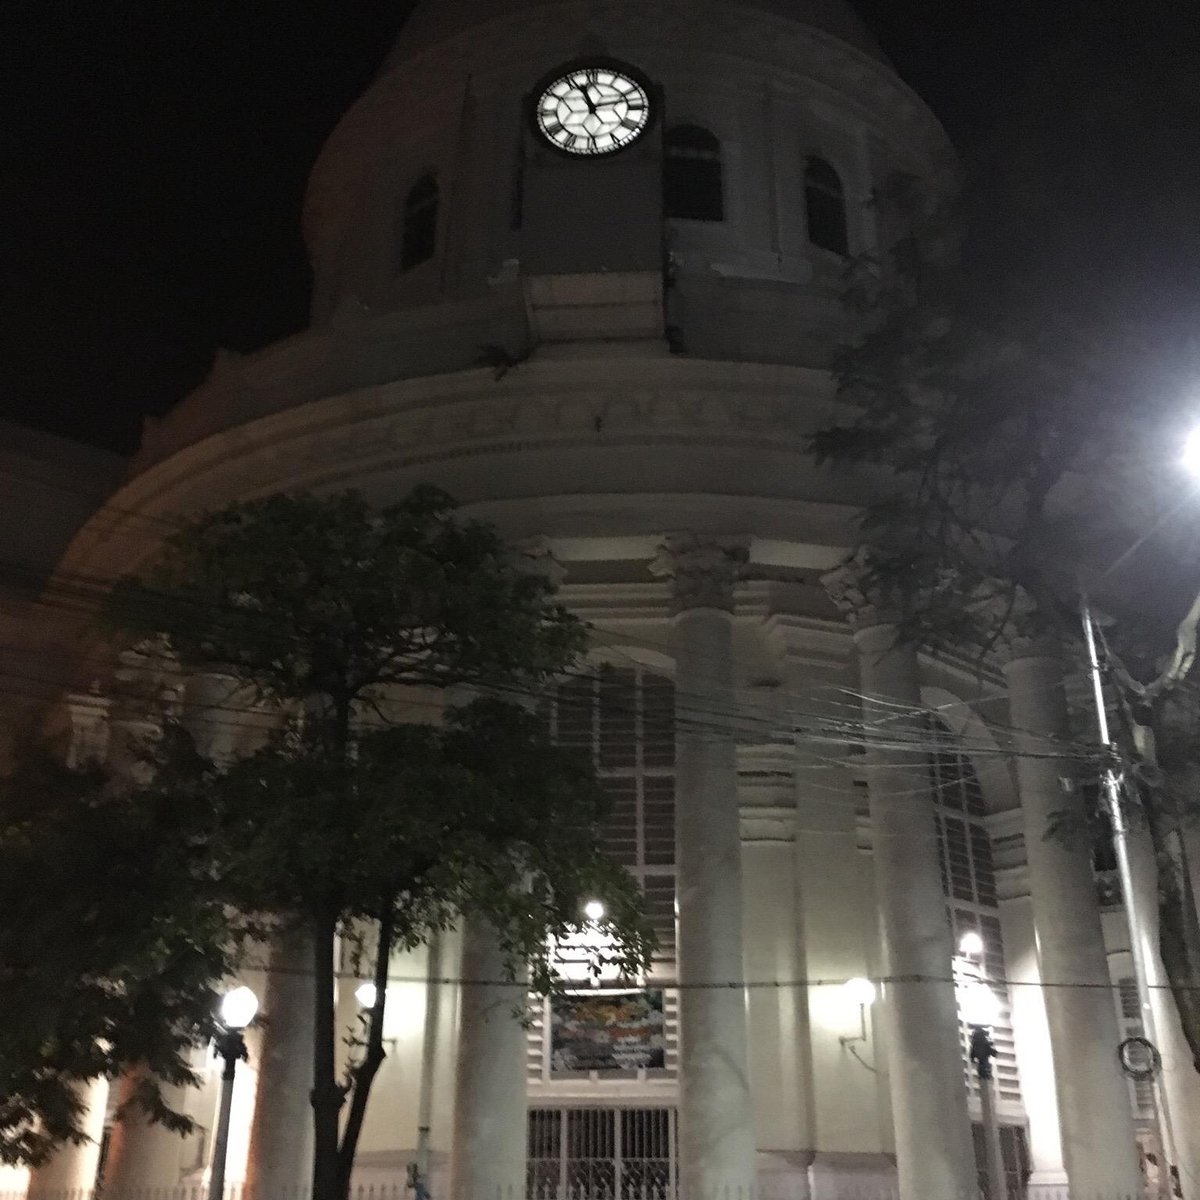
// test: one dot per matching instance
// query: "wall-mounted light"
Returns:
(861, 993)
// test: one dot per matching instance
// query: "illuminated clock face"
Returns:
(593, 110)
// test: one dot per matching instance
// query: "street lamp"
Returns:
(593, 910)
(980, 1009)
(237, 1011)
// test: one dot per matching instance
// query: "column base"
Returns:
(1047, 1185)
(782, 1174)
(851, 1175)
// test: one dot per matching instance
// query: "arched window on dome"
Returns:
(692, 184)
(825, 205)
(418, 223)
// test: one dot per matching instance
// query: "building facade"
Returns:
(578, 262)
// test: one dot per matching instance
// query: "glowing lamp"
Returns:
(859, 991)
(238, 1008)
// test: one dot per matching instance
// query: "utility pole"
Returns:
(1111, 793)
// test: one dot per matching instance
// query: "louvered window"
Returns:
(1014, 1154)
(1141, 1091)
(969, 885)
(625, 719)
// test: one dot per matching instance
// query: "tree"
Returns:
(114, 940)
(1015, 438)
(350, 817)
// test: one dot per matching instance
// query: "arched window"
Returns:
(825, 204)
(692, 174)
(418, 223)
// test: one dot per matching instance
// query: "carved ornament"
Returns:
(702, 570)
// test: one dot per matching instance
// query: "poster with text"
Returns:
(607, 1031)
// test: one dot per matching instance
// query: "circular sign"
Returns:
(1139, 1058)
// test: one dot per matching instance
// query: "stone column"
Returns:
(1031, 1035)
(280, 1158)
(143, 1156)
(1097, 1126)
(934, 1155)
(717, 1149)
(773, 952)
(73, 1168)
(490, 1115)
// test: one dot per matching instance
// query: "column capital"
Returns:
(702, 570)
(859, 595)
(1028, 632)
(535, 555)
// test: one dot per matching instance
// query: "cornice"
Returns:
(408, 423)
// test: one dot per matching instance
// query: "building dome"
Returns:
(433, 20)
(445, 231)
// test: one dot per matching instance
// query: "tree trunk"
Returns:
(1178, 921)
(365, 1074)
(327, 1095)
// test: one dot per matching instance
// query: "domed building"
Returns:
(578, 262)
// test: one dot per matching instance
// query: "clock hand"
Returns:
(587, 99)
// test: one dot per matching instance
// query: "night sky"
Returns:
(154, 160)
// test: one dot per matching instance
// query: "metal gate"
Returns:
(602, 1154)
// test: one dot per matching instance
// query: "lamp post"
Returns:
(237, 1011)
(1110, 792)
(980, 1009)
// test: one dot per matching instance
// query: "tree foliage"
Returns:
(1020, 442)
(379, 810)
(113, 942)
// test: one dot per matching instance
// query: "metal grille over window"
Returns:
(606, 1153)
(692, 185)
(969, 885)
(625, 719)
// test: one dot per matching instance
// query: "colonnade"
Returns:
(924, 1074)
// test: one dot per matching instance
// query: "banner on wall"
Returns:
(607, 1031)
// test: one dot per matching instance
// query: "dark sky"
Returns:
(154, 157)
